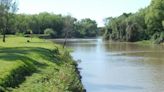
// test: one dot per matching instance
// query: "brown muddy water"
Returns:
(118, 66)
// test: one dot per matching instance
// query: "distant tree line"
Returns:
(146, 24)
(52, 25)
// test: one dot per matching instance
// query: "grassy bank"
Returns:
(36, 66)
(145, 42)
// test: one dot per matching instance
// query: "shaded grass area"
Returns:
(38, 66)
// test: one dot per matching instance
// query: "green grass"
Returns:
(37, 66)
(145, 42)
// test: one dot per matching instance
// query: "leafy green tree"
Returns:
(22, 23)
(116, 27)
(86, 28)
(155, 16)
(68, 27)
(145, 24)
(7, 8)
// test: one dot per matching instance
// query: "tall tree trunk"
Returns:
(6, 28)
(65, 42)
(4, 36)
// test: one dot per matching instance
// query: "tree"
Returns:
(68, 27)
(154, 16)
(86, 28)
(7, 8)
(22, 23)
(146, 24)
(132, 32)
(116, 27)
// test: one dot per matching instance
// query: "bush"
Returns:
(50, 32)
(161, 37)
(29, 31)
(163, 23)
(158, 37)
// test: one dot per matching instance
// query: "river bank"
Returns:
(37, 66)
(143, 42)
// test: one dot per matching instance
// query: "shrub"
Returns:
(163, 23)
(161, 37)
(158, 37)
(29, 31)
(50, 32)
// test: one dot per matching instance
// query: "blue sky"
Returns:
(94, 9)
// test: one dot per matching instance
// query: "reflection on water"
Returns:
(119, 67)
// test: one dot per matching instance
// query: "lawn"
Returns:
(36, 66)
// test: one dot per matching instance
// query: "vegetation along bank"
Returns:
(146, 24)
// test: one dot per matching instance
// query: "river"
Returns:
(118, 66)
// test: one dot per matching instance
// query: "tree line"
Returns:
(146, 24)
(52, 25)
(55, 25)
